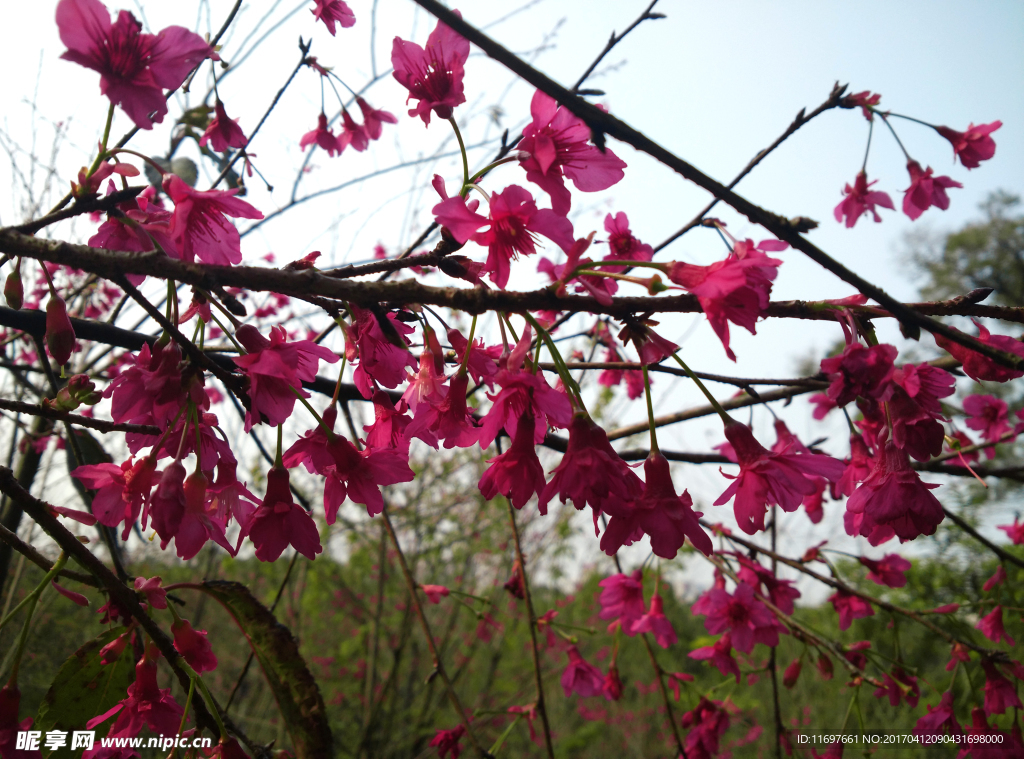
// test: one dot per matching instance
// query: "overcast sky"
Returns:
(714, 83)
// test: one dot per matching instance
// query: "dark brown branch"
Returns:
(602, 123)
(82, 421)
(811, 382)
(30, 553)
(616, 39)
(1001, 553)
(105, 203)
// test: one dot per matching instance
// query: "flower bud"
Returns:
(14, 290)
(60, 335)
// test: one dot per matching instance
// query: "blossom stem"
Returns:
(496, 746)
(532, 619)
(491, 166)
(707, 393)
(30, 604)
(463, 367)
(871, 131)
(465, 157)
(144, 157)
(242, 351)
(337, 385)
(280, 444)
(103, 144)
(911, 118)
(650, 412)
(896, 136)
(631, 264)
(188, 705)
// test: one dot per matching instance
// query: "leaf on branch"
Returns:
(85, 687)
(296, 692)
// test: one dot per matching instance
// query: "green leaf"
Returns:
(277, 651)
(85, 688)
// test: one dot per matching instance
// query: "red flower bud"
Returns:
(60, 335)
(14, 290)
(792, 673)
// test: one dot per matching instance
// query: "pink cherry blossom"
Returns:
(736, 289)
(866, 100)
(858, 466)
(888, 571)
(380, 340)
(483, 360)
(135, 68)
(433, 74)
(581, 677)
(622, 600)
(199, 225)
(656, 623)
(860, 371)
(986, 742)
(590, 471)
(860, 199)
(276, 369)
(323, 137)
(992, 627)
(521, 392)
(1000, 693)
(990, 416)
(1015, 531)
(152, 589)
(892, 501)
(352, 133)
(280, 522)
(434, 593)
(449, 419)
(223, 132)
(747, 619)
(719, 655)
(513, 222)
(622, 245)
(768, 478)
(973, 146)
(373, 118)
(333, 12)
(659, 512)
(612, 687)
(982, 368)
(557, 145)
(517, 473)
(940, 720)
(447, 741)
(193, 645)
(781, 592)
(707, 723)
(60, 335)
(850, 607)
(925, 191)
(891, 688)
(146, 705)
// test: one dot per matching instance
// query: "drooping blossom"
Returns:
(622, 600)
(524, 397)
(858, 466)
(781, 592)
(659, 512)
(720, 656)
(483, 360)
(280, 522)
(323, 137)
(981, 368)
(899, 685)
(973, 146)
(199, 225)
(433, 74)
(166, 507)
(373, 118)
(792, 672)
(580, 676)
(135, 68)
(612, 377)
(991, 625)
(591, 472)
(514, 584)
(517, 473)
(357, 475)
(915, 411)
(352, 133)
(707, 723)
(622, 245)
(959, 653)
(888, 571)
(988, 742)
(850, 607)
(860, 199)
(276, 369)
(612, 687)
(146, 704)
(747, 619)
(333, 12)
(447, 741)
(768, 478)
(736, 289)
(892, 501)
(223, 132)
(556, 145)
(60, 335)
(152, 590)
(860, 371)
(449, 419)
(434, 593)
(512, 224)
(940, 720)
(1000, 693)
(990, 416)
(379, 341)
(925, 191)
(193, 645)
(656, 623)
(1015, 531)
(602, 288)
(390, 423)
